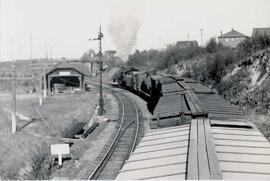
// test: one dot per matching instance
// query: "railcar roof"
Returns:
(170, 105)
(204, 149)
(161, 154)
(217, 107)
(199, 101)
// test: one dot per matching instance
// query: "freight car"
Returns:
(149, 87)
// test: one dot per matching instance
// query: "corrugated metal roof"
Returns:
(189, 80)
(166, 80)
(198, 88)
(243, 153)
(161, 154)
(218, 108)
(206, 149)
(171, 87)
(170, 105)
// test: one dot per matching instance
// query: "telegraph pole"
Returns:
(51, 53)
(44, 71)
(101, 102)
(44, 78)
(40, 85)
(13, 80)
(13, 96)
(31, 46)
(201, 35)
(31, 56)
(13, 92)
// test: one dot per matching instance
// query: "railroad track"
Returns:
(112, 159)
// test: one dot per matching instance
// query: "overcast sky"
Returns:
(66, 25)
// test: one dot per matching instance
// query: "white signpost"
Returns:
(60, 149)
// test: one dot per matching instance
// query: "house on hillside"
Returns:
(186, 44)
(260, 31)
(232, 38)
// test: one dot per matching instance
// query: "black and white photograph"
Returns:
(134, 89)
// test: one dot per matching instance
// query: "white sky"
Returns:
(66, 25)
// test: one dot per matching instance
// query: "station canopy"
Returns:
(70, 74)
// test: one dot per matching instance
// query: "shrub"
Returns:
(72, 129)
(162, 59)
(41, 162)
(212, 46)
(253, 44)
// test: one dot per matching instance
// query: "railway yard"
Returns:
(134, 90)
(170, 128)
(193, 134)
(174, 128)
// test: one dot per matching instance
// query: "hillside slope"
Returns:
(251, 79)
(246, 84)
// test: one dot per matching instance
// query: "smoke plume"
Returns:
(125, 21)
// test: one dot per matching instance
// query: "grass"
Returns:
(62, 112)
(25, 155)
(15, 151)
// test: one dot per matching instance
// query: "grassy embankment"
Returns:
(26, 154)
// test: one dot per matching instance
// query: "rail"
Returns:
(98, 170)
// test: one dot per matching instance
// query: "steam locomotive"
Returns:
(149, 85)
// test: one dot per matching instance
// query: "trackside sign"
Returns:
(60, 149)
